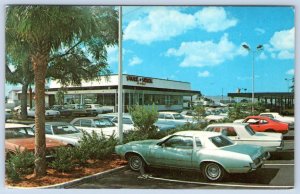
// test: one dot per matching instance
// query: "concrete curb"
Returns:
(78, 181)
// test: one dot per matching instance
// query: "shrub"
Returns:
(18, 164)
(62, 159)
(144, 118)
(94, 146)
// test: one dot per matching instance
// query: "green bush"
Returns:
(144, 118)
(94, 146)
(18, 164)
(63, 159)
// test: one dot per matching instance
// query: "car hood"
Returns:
(251, 150)
(29, 143)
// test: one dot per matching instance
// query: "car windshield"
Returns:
(20, 132)
(103, 123)
(220, 141)
(249, 130)
(64, 129)
(178, 116)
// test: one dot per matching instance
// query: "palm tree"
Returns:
(50, 29)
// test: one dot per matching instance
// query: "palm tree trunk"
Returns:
(40, 66)
(24, 101)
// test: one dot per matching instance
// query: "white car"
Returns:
(48, 113)
(129, 124)
(244, 134)
(277, 116)
(172, 118)
(97, 124)
(98, 108)
(63, 132)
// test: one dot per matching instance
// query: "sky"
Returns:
(203, 45)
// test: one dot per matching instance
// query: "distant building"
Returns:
(162, 93)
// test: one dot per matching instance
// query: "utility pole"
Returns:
(120, 83)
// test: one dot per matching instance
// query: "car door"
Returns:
(176, 151)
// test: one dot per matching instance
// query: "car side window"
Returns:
(229, 131)
(198, 142)
(48, 129)
(168, 116)
(86, 123)
(181, 142)
(161, 116)
(263, 121)
(77, 123)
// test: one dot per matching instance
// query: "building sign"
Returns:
(139, 80)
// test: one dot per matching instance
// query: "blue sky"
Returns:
(202, 45)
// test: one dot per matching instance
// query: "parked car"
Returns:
(128, 122)
(242, 133)
(64, 111)
(19, 136)
(98, 108)
(48, 113)
(266, 124)
(63, 132)
(172, 118)
(211, 153)
(97, 124)
(277, 116)
(8, 114)
(80, 110)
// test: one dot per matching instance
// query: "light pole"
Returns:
(258, 48)
(288, 84)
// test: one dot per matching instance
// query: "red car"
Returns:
(18, 136)
(266, 124)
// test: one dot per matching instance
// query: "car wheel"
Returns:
(136, 163)
(213, 171)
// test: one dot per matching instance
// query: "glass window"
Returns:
(178, 116)
(249, 130)
(77, 123)
(198, 142)
(102, 123)
(168, 116)
(161, 116)
(182, 142)
(48, 129)
(221, 141)
(263, 121)
(229, 131)
(86, 123)
(64, 129)
(21, 132)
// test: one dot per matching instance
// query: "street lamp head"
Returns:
(260, 47)
(246, 46)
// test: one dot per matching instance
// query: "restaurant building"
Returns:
(164, 94)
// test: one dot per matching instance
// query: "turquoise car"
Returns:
(210, 153)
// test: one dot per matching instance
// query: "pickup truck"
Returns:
(277, 116)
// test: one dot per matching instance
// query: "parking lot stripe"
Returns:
(220, 184)
(279, 164)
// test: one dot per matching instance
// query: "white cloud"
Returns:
(260, 31)
(290, 72)
(282, 44)
(262, 56)
(214, 19)
(206, 53)
(204, 74)
(160, 24)
(135, 61)
(165, 23)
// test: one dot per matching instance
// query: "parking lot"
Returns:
(277, 173)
